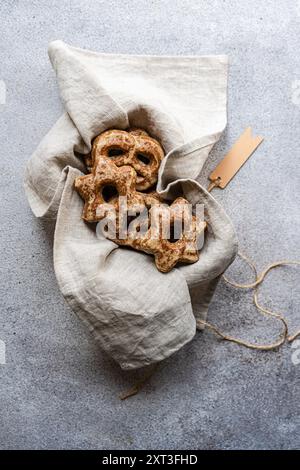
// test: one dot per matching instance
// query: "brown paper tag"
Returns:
(234, 159)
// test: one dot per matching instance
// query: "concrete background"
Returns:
(58, 390)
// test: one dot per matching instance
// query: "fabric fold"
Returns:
(138, 315)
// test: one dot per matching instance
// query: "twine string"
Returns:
(259, 279)
(137, 387)
(284, 336)
(214, 184)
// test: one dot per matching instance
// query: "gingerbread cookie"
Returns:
(171, 235)
(148, 220)
(134, 148)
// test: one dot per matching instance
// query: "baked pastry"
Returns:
(104, 186)
(160, 238)
(145, 223)
(134, 148)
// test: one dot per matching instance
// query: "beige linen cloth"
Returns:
(138, 314)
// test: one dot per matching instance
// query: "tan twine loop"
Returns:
(214, 184)
(254, 285)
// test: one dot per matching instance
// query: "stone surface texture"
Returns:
(58, 390)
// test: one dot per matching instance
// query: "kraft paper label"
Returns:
(234, 159)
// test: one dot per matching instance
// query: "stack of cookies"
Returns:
(119, 192)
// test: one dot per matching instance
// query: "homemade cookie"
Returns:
(147, 224)
(160, 238)
(135, 148)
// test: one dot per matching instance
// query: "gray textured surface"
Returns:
(57, 389)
